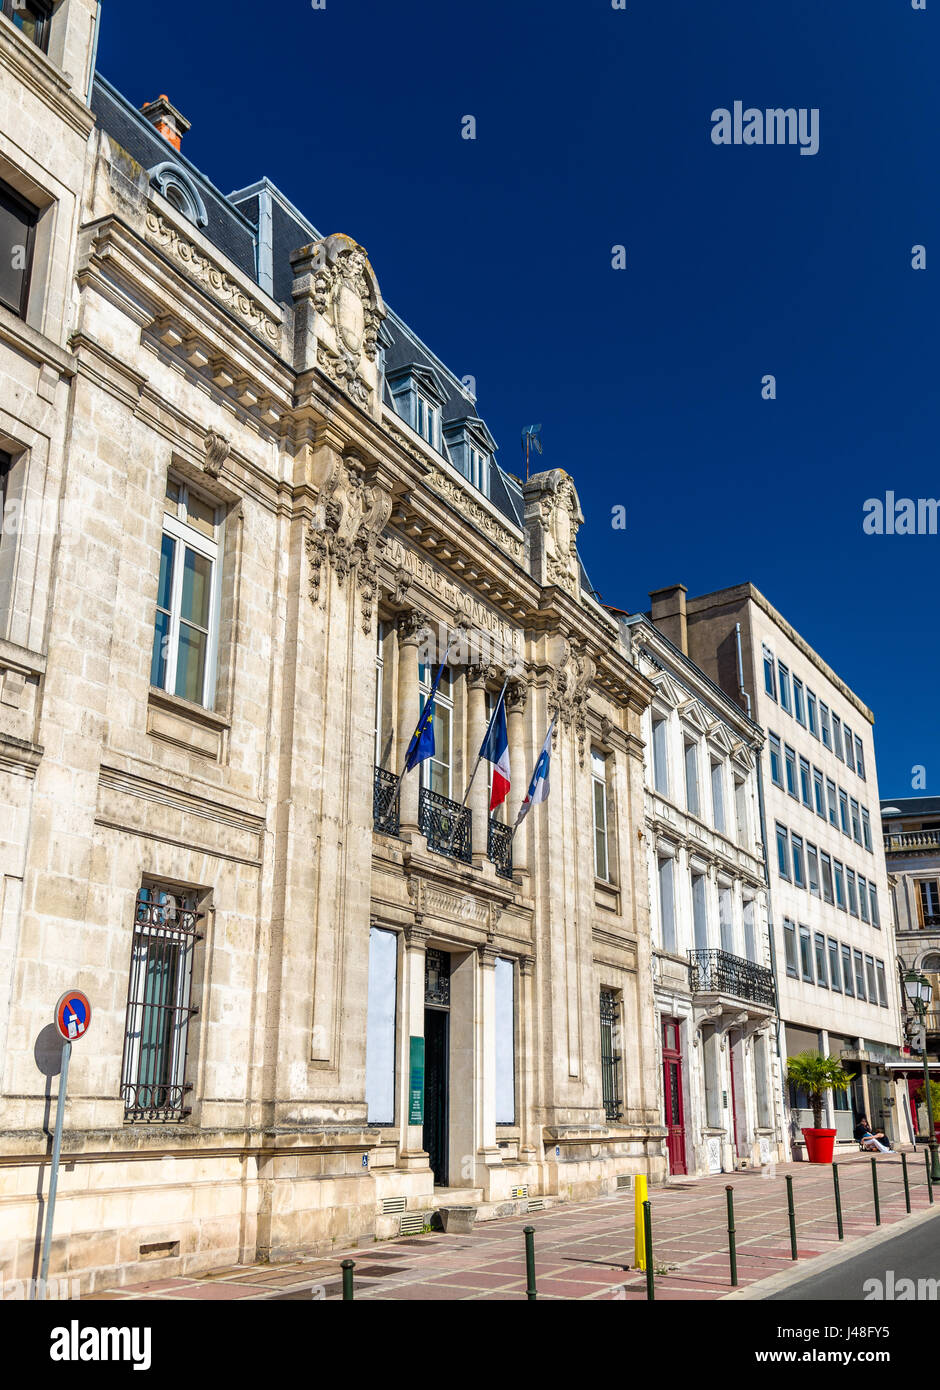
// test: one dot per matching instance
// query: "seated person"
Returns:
(873, 1143)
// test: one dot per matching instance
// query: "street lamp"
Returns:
(919, 992)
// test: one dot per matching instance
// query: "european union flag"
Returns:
(422, 740)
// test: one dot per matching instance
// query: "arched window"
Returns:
(178, 188)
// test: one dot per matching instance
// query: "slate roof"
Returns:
(233, 227)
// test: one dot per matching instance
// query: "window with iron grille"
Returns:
(159, 1008)
(610, 1054)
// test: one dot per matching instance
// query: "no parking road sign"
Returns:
(72, 1014)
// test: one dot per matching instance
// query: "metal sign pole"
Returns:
(54, 1178)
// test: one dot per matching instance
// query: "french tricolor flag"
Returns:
(496, 751)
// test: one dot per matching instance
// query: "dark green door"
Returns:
(435, 1092)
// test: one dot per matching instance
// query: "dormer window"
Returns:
(427, 420)
(470, 448)
(32, 18)
(178, 188)
(480, 471)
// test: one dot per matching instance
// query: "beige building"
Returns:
(833, 932)
(715, 996)
(911, 828)
(253, 511)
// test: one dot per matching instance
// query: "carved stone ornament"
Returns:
(553, 510)
(568, 692)
(218, 449)
(346, 532)
(346, 293)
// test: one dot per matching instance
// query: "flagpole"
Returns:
(424, 708)
(519, 819)
(450, 842)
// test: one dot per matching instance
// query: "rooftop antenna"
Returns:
(531, 436)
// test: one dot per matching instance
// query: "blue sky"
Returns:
(593, 130)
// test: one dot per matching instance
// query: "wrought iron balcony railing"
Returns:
(445, 824)
(499, 847)
(386, 807)
(719, 972)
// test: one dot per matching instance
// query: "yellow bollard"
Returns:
(639, 1241)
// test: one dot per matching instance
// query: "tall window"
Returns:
(875, 914)
(818, 793)
(691, 778)
(859, 975)
(725, 923)
(718, 797)
(852, 891)
(610, 1054)
(153, 1070)
(826, 866)
(599, 786)
(863, 898)
(839, 876)
(812, 869)
(437, 772)
(186, 629)
(667, 904)
(856, 822)
(379, 690)
(381, 1010)
(870, 979)
(17, 235)
(789, 757)
(427, 420)
(825, 725)
(833, 805)
(866, 829)
(928, 900)
(806, 955)
(847, 984)
(699, 913)
(770, 682)
(740, 809)
(789, 948)
(32, 18)
(811, 718)
(834, 972)
(776, 775)
(505, 1030)
(750, 939)
(882, 984)
(799, 877)
(837, 737)
(806, 794)
(783, 851)
(480, 471)
(784, 675)
(660, 764)
(859, 758)
(819, 942)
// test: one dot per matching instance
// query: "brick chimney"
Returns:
(165, 118)
(668, 613)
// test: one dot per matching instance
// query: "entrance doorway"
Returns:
(672, 1093)
(436, 1135)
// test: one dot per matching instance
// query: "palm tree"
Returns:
(815, 1076)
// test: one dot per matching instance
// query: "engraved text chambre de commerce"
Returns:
(770, 126)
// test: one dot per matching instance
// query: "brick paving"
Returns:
(584, 1250)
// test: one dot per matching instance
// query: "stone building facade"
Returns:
(714, 986)
(320, 1008)
(911, 830)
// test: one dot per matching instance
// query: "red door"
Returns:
(672, 1093)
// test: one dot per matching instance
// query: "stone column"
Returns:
(413, 1153)
(829, 1110)
(478, 800)
(409, 707)
(521, 771)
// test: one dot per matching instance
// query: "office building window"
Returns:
(866, 830)
(826, 867)
(770, 683)
(852, 891)
(185, 638)
(660, 765)
(691, 778)
(667, 904)
(863, 898)
(799, 875)
(783, 852)
(718, 797)
(870, 980)
(812, 869)
(825, 726)
(833, 804)
(875, 914)
(806, 793)
(839, 876)
(784, 678)
(849, 746)
(859, 975)
(818, 793)
(775, 773)
(882, 984)
(819, 941)
(811, 717)
(834, 973)
(856, 822)
(806, 955)
(859, 757)
(159, 1007)
(837, 737)
(599, 780)
(789, 756)
(17, 235)
(789, 949)
(847, 985)
(844, 812)
(798, 708)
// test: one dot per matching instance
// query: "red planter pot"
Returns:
(819, 1144)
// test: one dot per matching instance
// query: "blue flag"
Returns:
(422, 740)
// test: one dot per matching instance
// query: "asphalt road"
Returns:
(915, 1255)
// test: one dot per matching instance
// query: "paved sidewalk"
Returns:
(584, 1250)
